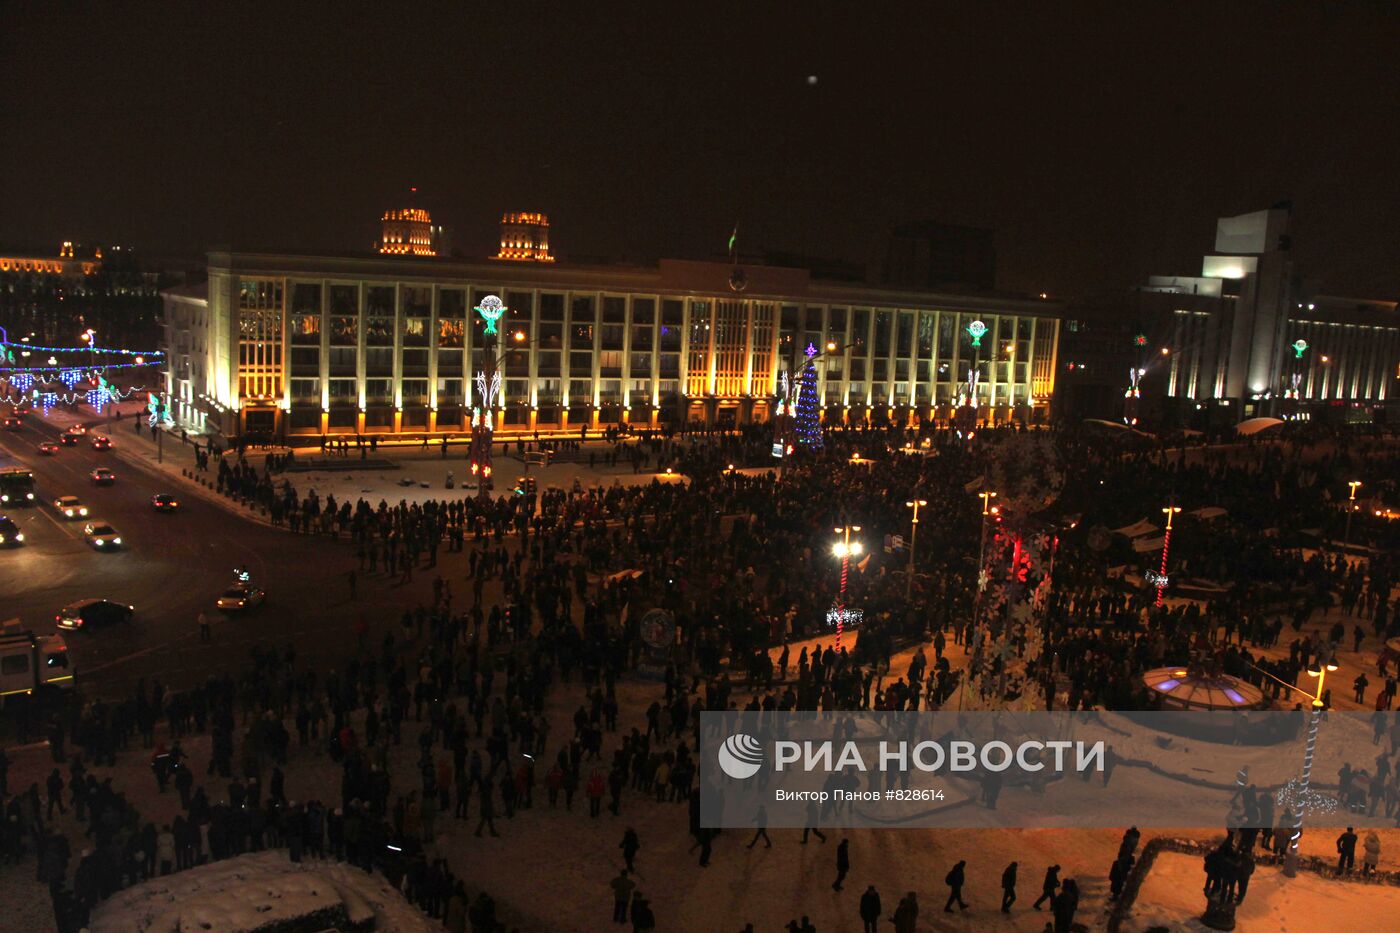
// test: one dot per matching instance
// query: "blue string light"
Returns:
(54, 369)
(83, 349)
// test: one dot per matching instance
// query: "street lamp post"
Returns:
(844, 549)
(913, 538)
(1320, 671)
(1166, 543)
(491, 310)
(1351, 507)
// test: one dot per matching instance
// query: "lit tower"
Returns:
(524, 238)
(408, 232)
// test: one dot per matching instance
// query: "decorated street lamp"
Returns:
(914, 504)
(1166, 543)
(844, 549)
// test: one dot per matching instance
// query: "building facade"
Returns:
(1248, 336)
(307, 345)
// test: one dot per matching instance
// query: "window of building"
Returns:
(306, 361)
(581, 310)
(344, 330)
(306, 391)
(379, 391)
(379, 301)
(643, 310)
(379, 360)
(415, 391)
(342, 360)
(379, 331)
(551, 306)
(417, 301)
(451, 333)
(449, 390)
(415, 361)
(641, 364)
(452, 304)
(415, 331)
(614, 310)
(672, 312)
(345, 300)
(642, 336)
(547, 363)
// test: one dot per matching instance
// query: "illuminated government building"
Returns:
(291, 344)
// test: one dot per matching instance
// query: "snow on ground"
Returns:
(1305, 904)
(253, 891)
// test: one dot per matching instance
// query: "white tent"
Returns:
(1136, 530)
(1255, 425)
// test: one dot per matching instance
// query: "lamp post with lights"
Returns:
(1320, 670)
(1351, 507)
(844, 548)
(914, 504)
(491, 310)
(1169, 511)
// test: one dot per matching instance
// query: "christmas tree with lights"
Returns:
(809, 418)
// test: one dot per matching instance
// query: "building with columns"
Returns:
(318, 344)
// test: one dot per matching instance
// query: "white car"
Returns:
(102, 536)
(70, 507)
(241, 597)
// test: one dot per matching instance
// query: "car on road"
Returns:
(78, 429)
(103, 477)
(70, 507)
(101, 443)
(241, 597)
(13, 422)
(48, 448)
(102, 536)
(165, 502)
(68, 439)
(10, 535)
(91, 613)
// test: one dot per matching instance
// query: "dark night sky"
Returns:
(1100, 141)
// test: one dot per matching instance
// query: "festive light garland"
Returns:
(53, 369)
(115, 351)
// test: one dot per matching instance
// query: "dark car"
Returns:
(12, 423)
(48, 448)
(165, 502)
(101, 443)
(103, 477)
(10, 535)
(90, 613)
(68, 439)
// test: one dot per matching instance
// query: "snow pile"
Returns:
(264, 892)
(1172, 898)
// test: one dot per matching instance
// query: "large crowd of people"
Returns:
(739, 563)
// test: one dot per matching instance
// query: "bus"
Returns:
(16, 486)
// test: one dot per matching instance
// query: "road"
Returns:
(171, 566)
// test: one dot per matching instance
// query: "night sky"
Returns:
(1099, 141)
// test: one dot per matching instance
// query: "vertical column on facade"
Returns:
(566, 394)
(532, 364)
(597, 358)
(685, 353)
(361, 362)
(324, 370)
(654, 391)
(397, 384)
(433, 358)
(626, 368)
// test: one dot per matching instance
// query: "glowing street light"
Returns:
(1320, 671)
(1166, 542)
(1351, 507)
(914, 504)
(845, 549)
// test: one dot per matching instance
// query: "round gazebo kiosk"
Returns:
(1195, 687)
